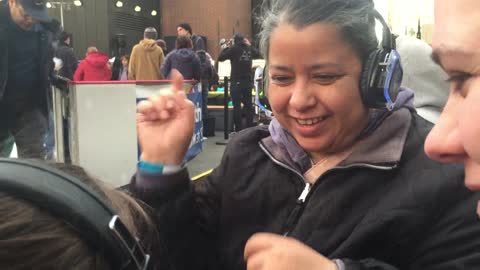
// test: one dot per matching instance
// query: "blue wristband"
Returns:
(150, 167)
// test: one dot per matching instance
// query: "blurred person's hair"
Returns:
(150, 33)
(187, 27)
(162, 44)
(91, 49)
(64, 36)
(183, 42)
(126, 56)
(33, 238)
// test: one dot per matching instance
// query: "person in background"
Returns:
(456, 136)
(422, 74)
(124, 71)
(338, 180)
(65, 53)
(26, 74)
(116, 66)
(240, 54)
(183, 59)
(207, 74)
(184, 29)
(146, 58)
(162, 44)
(120, 68)
(94, 67)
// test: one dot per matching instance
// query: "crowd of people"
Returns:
(28, 119)
(347, 175)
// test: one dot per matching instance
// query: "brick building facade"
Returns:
(96, 23)
(214, 19)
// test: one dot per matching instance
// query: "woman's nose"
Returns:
(302, 97)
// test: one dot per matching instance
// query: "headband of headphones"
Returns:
(382, 72)
(387, 39)
(76, 203)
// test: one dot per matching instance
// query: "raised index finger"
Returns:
(177, 80)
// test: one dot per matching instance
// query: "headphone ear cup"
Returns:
(368, 72)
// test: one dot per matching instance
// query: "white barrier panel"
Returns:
(224, 68)
(103, 137)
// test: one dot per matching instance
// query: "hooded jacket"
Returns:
(70, 62)
(421, 74)
(240, 56)
(185, 61)
(386, 206)
(93, 68)
(145, 61)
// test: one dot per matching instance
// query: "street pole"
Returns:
(61, 14)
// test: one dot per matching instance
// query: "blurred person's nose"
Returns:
(444, 143)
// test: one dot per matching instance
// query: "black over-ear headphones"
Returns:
(81, 207)
(382, 72)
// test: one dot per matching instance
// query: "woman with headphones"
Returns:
(339, 180)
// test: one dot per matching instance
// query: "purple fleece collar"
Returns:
(290, 147)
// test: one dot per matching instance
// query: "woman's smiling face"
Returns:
(314, 87)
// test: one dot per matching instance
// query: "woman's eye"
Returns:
(280, 79)
(458, 81)
(326, 78)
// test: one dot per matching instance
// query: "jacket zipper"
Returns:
(297, 211)
(281, 164)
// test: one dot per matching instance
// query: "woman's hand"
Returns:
(266, 251)
(165, 124)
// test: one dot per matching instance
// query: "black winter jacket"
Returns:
(387, 206)
(70, 61)
(198, 43)
(185, 61)
(240, 57)
(46, 59)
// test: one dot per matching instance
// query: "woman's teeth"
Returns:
(309, 122)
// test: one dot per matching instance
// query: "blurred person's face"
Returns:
(182, 32)
(456, 44)
(124, 61)
(314, 87)
(19, 16)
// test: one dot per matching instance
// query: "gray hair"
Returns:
(150, 33)
(353, 18)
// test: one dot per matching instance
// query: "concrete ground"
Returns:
(207, 160)
(210, 156)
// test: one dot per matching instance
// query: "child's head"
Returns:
(125, 60)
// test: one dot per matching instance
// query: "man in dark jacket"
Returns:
(65, 53)
(25, 68)
(240, 55)
(184, 29)
(207, 76)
